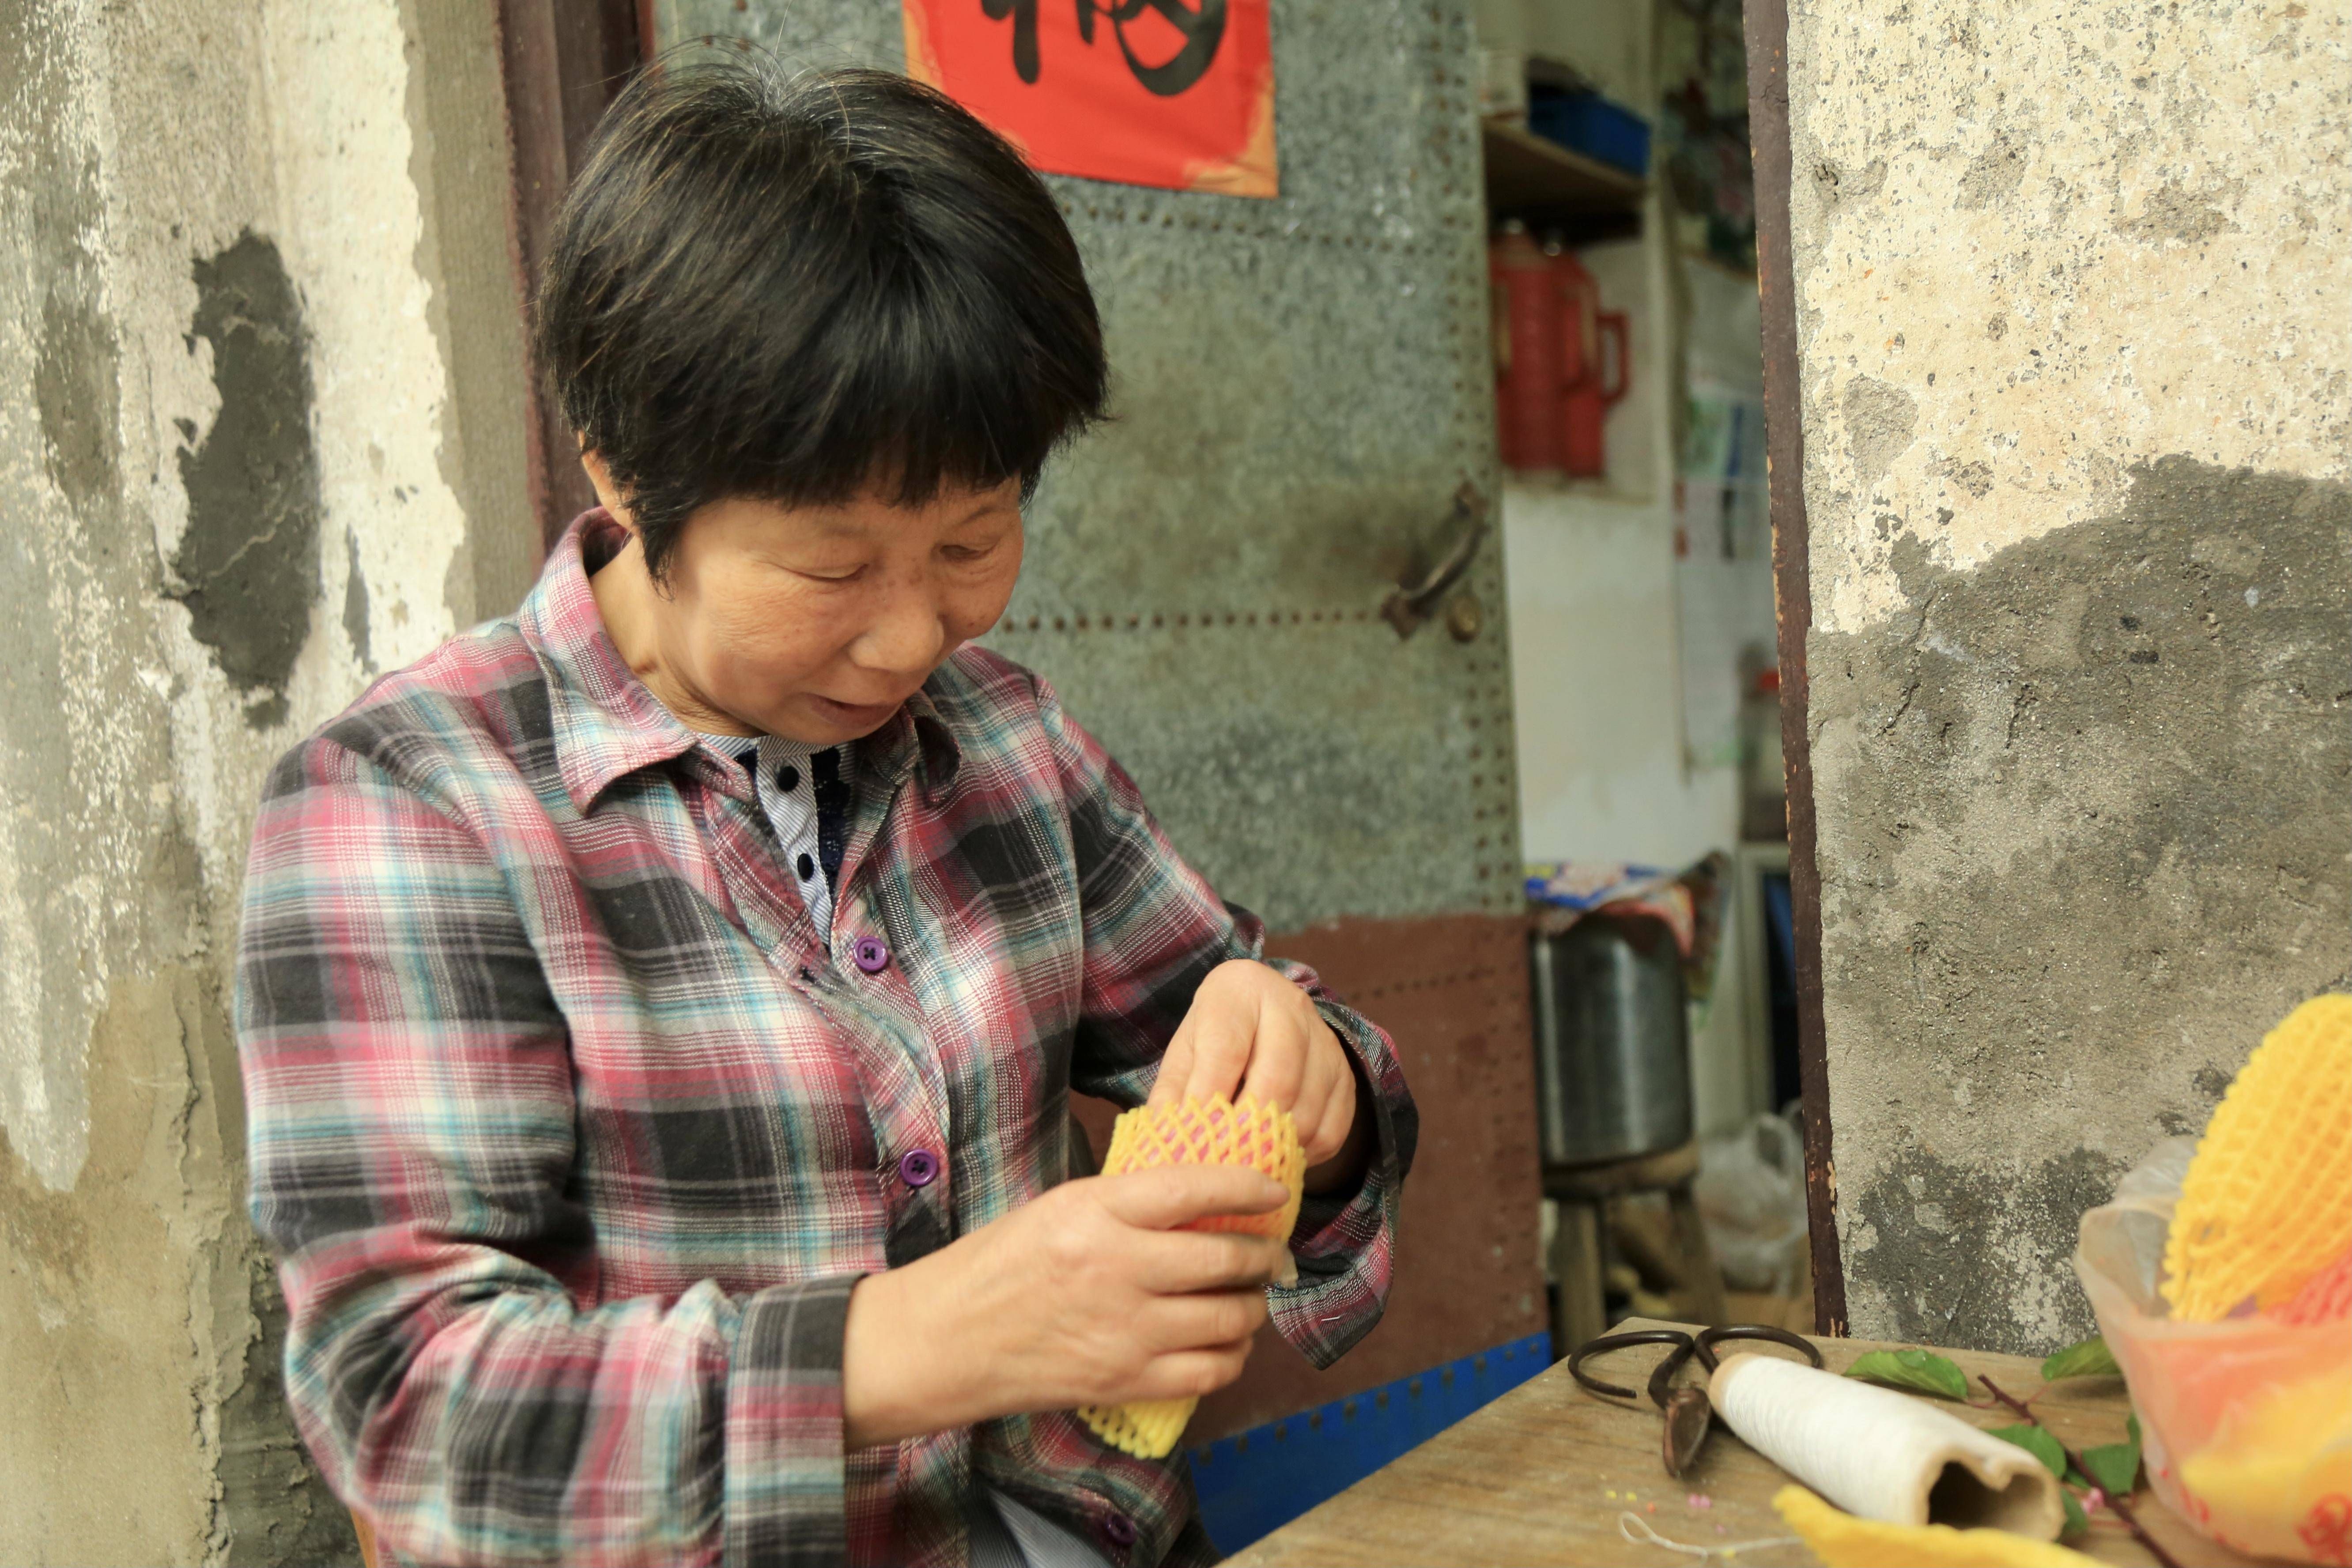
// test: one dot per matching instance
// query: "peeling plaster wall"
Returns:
(254, 281)
(2071, 283)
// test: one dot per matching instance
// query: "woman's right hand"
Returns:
(1090, 1295)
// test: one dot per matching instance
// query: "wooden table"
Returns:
(1541, 1475)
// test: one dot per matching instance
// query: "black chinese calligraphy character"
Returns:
(1201, 26)
(1024, 32)
(1203, 29)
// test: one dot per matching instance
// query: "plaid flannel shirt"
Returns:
(572, 1134)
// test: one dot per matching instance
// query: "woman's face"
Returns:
(812, 622)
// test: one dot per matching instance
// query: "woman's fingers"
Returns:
(1171, 1323)
(1324, 1127)
(1322, 1069)
(1168, 1196)
(1279, 1062)
(1250, 1032)
(1222, 1024)
(1192, 1374)
(1341, 1113)
(1175, 1065)
(1180, 1262)
(1211, 1048)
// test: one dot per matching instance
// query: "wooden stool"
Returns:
(1583, 1193)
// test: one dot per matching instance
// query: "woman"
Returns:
(658, 1009)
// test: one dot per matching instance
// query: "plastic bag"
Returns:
(2245, 1424)
(1752, 1197)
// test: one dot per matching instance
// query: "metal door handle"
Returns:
(1414, 600)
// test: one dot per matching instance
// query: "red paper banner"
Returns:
(1173, 93)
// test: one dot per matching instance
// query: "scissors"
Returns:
(1688, 1415)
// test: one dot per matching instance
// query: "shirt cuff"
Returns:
(784, 1446)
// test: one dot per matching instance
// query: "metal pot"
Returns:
(1613, 1040)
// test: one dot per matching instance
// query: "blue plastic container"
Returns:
(1589, 123)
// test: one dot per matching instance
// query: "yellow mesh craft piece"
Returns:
(1842, 1541)
(1212, 1132)
(2263, 1207)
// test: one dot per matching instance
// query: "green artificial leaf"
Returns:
(2090, 1359)
(2036, 1441)
(2077, 1520)
(1920, 1372)
(2114, 1467)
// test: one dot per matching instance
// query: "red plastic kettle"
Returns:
(1584, 407)
(1579, 304)
(1527, 343)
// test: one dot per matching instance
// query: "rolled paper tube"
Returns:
(1882, 1454)
(1210, 1132)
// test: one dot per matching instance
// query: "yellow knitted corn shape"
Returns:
(2267, 1202)
(1212, 1132)
(1842, 1541)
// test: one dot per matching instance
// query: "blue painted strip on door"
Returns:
(1254, 1482)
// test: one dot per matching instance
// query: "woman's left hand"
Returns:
(1250, 1031)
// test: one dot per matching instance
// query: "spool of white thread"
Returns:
(1882, 1454)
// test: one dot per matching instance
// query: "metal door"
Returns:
(1304, 413)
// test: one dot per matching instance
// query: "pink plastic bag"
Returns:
(2246, 1423)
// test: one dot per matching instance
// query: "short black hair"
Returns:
(802, 286)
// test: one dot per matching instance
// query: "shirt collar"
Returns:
(914, 736)
(607, 724)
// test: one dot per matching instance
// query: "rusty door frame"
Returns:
(1768, 108)
(563, 61)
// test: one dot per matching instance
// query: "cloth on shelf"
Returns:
(1690, 902)
(1582, 887)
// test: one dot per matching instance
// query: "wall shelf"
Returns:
(1525, 171)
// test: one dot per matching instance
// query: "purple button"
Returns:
(870, 954)
(1118, 1530)
(919, 1167)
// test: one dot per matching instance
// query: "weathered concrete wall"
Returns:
(253, 261)
(2071, 281)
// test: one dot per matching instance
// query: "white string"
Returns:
(1627, 1521)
